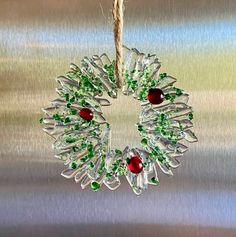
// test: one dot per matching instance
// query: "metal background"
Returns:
(195, 41)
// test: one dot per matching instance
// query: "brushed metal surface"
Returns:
(195, 41)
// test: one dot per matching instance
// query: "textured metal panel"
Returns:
(195, 41)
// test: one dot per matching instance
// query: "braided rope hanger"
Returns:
(118, 30)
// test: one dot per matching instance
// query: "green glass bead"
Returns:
(75, 148)
(115, 167)
(190, 116)
(95, 186)
(154, 181)
(153, 83)
(70, 139)
(140, 128)
(145, 164)
(100, 171)
(67, 97)
(152, 155)
(118, 152)
(109, 93)
(67, 120)
(73, 165)
(158, 129)
(56, 117)
(84, 78)
(143, 94)
(90, 154)
(72, 99)
(134, 84)
(178, 92)
(90, 147)
(84, 159)
(144, 141)
(161, 159)
(76, 127)
(108, 175)
(174, 142)
(167, 96)
(172, 98)
(82, 103)
(73, 111)
(163, 75)
(122, 171)
(163, 132)
(157, 148)
(92, 122)
(162, 117)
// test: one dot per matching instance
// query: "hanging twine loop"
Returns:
(118, 30)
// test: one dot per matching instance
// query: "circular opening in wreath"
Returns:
(122, 115)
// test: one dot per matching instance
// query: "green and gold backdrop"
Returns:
(195, 42)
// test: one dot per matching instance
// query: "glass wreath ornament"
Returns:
(82, 134)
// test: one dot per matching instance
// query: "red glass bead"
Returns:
(155, 96)
(86, 114)
(135, 164)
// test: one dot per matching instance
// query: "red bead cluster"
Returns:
(135, 164)
(155, 96)
(86, 114)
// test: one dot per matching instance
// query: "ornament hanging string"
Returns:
(118, 30)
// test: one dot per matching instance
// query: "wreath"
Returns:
(82, 134)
